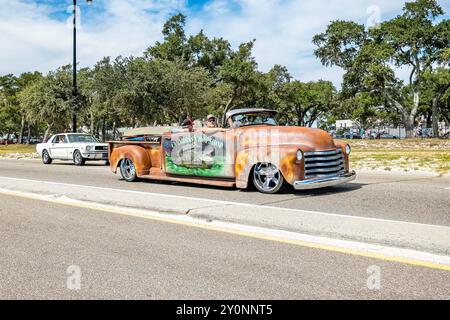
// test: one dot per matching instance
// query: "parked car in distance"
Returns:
(386, 136)
(347, 136)
(382, 135)
(77, 147)
(33, 140)
(250, 150)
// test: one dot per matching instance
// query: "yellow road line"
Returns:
(247, 234)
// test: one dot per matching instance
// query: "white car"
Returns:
(77, 147)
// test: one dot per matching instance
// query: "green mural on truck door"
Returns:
(195, 154)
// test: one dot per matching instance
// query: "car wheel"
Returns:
(267, 178)
(46, 157)
(128, 170)
(78, 159)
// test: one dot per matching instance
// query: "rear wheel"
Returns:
(267, 178)
(78, 159)
(128, 170)
(46, 157)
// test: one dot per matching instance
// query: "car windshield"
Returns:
(81, 138)
(250, 119)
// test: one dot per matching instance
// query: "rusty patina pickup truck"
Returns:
(250, 150)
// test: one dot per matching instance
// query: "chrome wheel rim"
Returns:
(267, 176)
(45, 156)
(127, 168)
(77, 157)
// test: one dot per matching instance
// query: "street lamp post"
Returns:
(74, 75)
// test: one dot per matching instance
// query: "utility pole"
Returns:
(74, 75)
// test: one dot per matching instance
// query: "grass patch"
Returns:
(401, 155)
(17, 148)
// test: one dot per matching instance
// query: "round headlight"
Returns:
(299, 155)
(88, 148)
(348, 149)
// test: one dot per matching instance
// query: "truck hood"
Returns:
(308, 139)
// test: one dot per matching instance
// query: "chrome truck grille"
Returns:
(324, 163)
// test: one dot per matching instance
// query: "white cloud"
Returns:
(284, 29)
(31, 40)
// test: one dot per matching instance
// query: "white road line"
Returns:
(392, 254)
(222, 202)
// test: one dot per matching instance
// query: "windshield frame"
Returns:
(268, 114)
(70, 137)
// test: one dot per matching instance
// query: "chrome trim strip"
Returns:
(325, 175)
(323, 164)
(323, 153)
(334, 157)
(324, 169)
(324, 182)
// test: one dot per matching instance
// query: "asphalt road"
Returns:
(135, 258)
(410, 198)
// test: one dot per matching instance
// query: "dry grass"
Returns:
(17, 148)
(415, 155)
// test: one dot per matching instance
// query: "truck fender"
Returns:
(137, 154)
(284, 157)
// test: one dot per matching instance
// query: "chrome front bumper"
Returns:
(95, 155)
(324, 182)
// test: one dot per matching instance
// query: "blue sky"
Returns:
(36, 34)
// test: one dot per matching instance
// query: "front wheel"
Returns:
(46, 157)
(267, 178)
(78, 159)
(128, 170)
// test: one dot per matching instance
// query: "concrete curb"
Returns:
(422, 237)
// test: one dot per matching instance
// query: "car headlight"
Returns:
(348, 149)
(299, 155)
(88, 148)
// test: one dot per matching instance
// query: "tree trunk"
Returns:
(429, 117)
(104, 129)
(92, 123)
(29, 133)
(408, 120)
(22, 129)
(229, 106)
(114, 130)
(434, 118)
(47, 131)
(408, 117)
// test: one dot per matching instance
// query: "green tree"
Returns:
(436, 89)
(100, 87)
(174, 47)
(49, 100)
(411, 39)
(23, 81)
(306, 103)
(9, 112)
(162, 91)
(240, 75)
